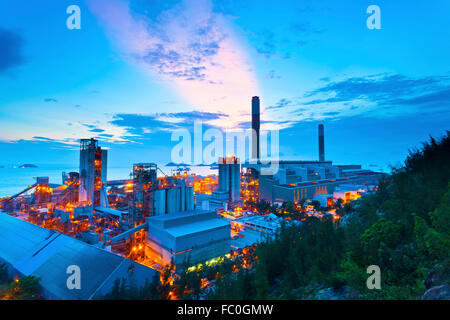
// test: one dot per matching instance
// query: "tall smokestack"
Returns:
(255, 126)
(321, 144)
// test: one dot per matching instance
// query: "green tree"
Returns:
(381, 236)
(25, 288)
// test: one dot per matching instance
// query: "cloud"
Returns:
(192, 48)
(441, 97)
(138, 122)
(195, 115)
(93, 128)
(280, 104)
(386, 89)
(50, 100)
(68, 142)
(43, 138)
(272, 75)
(139, 125)
(375, 146)
(105, 135)
(11, 46)
(266, 45)
(305, 28)
(285, 36)
(379, 94)
(270, 45)
(331, 113)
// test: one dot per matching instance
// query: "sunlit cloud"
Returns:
(189, 47)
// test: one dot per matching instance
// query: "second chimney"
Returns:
(321, 144)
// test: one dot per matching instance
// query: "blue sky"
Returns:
(138, 69)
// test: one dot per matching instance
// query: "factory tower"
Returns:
(321, 144)
(255, 127)
(230, 177)
(93, 173)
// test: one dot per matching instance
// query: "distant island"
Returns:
(27, 165)
(207, 165)
(172, 164)
(214, 166)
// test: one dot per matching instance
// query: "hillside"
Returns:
(403, 228)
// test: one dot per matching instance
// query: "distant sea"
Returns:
(14, 180)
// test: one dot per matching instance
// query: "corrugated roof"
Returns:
(197, 227)
(18, 239)
(36, 251)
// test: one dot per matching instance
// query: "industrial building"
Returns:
(144, 185)
(295, 180)
(80, 206)
(191, 236)
(298, 180)
(28, 249)
(350, 192)
(256, 228)
(229, 190)
(93, 174)
(154, 220)
(153, 197)
(175, 199)
(302, 180)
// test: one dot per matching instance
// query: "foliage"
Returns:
(24, 288)
(3, 274)
(404, 228)
(122, 290)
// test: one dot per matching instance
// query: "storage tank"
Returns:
(189, 198)
(182, 198)
(235, 183)
(173, 200)
(223, 176)
(159, 202)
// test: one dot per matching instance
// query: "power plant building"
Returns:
(150, 198)
(191, 236)
(298, 180)
(229, 182)
(173, 200)
(93, 173)
(302, 180)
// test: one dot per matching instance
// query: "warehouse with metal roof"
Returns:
(29, 249)
(193, 236)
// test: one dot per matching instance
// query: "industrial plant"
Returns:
(134, 228)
